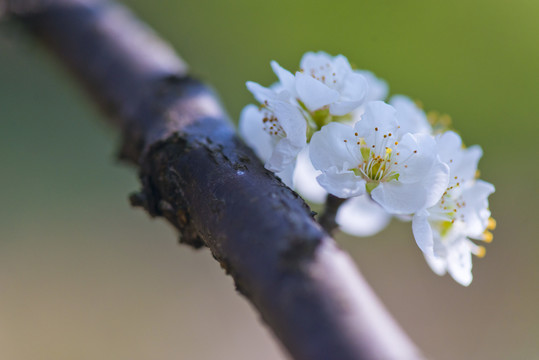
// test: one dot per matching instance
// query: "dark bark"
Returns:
(199, 176)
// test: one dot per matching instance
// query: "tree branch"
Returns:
(199, 176)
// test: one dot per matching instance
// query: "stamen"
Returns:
(479, 251)
(491, 224)
(487, 236)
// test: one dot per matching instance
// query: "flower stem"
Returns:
(327, 218)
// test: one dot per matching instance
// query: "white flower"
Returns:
(411, 118)
(326, 89)
(277, 131)
(324, 82)
(401, 172)
(443, 231)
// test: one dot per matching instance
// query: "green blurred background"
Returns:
(84, 276)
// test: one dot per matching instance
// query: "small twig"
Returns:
(328, 217)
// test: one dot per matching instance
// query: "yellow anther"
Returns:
(491, 224)
(487, 236)
(477, 174)
(445, 120)
(480, 252)
(388, 150)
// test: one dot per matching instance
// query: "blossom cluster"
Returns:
(327, 129)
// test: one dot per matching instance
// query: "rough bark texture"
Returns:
(199, 176)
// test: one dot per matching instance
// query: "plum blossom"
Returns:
(277, 131)
(324, 129)
(325, 89)
(324, 82)
(401, 172)
(444, 231)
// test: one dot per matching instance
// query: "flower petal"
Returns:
(282, 156)
(312, 60)
(435, 183)
(355, 87)
(252, 131)
(286, 78)
(305, 182)
(260, 93)
(378, 88)
(417, 154)
(378, 115)
(360, 216)
(330, 147)
(343, 184)
(341, 108)
(292, 122)
(423, 232)
(411, 118)
(437, 264)
(398, 198)
(313, 93)
(476, 212)
(287, 174)
(459, 263)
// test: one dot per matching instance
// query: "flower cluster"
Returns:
(326, 129)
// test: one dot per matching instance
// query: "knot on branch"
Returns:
(162, 200)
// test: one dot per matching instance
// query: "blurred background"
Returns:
(84, 276)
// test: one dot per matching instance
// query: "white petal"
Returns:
(283, 155)
(417, 156)
(476, 213)
(378, 88)
(462, 162)
(355, 87)
(305, 182)
(252, 131)
(423, 232)
(341, 64)
(343, 184)
(398, 198)
(287, 174)
(437, 264)
(466, 168)
(459, 263)
(314, 60)
(332, 146)
(261, 93)
(360, 216)
(286, 78)
(411, 118)
(435, 183)
(292, 122)
(448, 144)
(313, 93)
(341, 108)
(378, 115)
